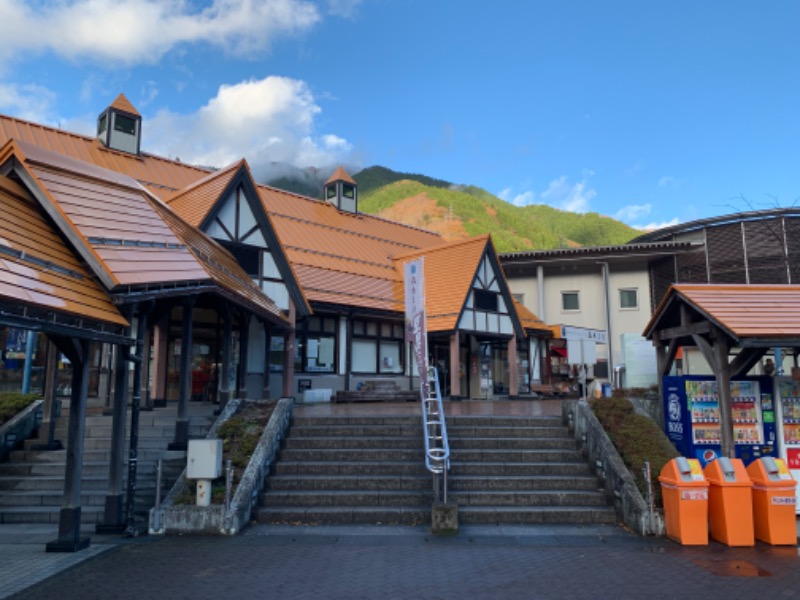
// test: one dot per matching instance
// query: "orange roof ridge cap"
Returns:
(340, 175)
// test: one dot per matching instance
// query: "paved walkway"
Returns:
(400, 562)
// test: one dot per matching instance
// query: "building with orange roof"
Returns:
(332, 273)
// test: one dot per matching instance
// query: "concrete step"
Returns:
(564, 497)
(520, 469)
(500, 421)
(541, 482)
(457, 431)
(378, 453)
(398, 430)
(350, 482)
(318, 442)
(514, 443)
(345, 515)
(314, 498)
(549, 515)
(48, 498)
(299, 422)
(44, 514)
(393, 468)
(514, 456)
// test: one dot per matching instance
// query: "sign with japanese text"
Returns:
(416, 330)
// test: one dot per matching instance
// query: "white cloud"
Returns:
(522, 199)
(572, 197)
(142, 31)
(668, 182)
(266, 121)
(30, 102)
(652, 226)
(343, 8)
(633, 212)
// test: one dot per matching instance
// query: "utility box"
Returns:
(773, 501)
(684, 490)
(204, 459)
(730, 502)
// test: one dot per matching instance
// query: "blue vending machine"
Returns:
(692, 417)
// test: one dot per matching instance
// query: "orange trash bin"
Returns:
(773, 501)
(685, 494)
(730, 502)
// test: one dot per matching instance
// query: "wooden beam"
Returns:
(683, 331)
(746, 360)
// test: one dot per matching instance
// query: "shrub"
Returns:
(12, 403)
(637, 439)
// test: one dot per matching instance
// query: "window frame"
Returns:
(636, 297)
(382, 333)
(577, 295)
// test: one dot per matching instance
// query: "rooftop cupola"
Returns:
(341, 191)
(120, 126)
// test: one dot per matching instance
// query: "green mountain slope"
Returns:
(458, 212)
(372, 178)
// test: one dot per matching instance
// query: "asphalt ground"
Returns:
(408, 562)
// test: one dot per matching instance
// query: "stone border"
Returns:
(618, 482)
(183, 519)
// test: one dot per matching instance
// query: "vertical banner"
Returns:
(416, 331)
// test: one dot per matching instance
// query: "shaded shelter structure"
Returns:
(45, 287)
(733, 326)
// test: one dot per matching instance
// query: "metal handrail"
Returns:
(437, 448)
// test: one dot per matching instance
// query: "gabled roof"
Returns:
(760, 313)
(340, 257)
(129, 238)
(38, 268)
(122, 103)
(194, 202)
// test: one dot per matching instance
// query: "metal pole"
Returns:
(26, 372)
(228, 484)
(136, 401)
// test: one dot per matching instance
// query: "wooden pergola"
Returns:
(733, 326)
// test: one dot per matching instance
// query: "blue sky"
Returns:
(653, 113)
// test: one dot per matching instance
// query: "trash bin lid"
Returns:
(727, 472)
(771, 472)
(683, 472)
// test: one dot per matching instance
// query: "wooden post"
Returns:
(513, 373)
(455, 361)
(181, 441)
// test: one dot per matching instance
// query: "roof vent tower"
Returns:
(119, 126)
(342, 191)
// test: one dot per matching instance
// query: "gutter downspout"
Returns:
(607, 299)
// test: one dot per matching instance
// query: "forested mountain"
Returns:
(461, 211)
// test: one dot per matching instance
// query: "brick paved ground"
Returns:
(321, 563)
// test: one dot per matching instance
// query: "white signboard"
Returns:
(416, 330)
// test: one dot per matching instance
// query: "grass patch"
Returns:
(239, 435)
(12, 403)
(637, 439)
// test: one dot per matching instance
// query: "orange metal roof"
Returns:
(123, 104)
(340, 175)
(194, 202)
(161, 176)
(745, 311)
(530, 321)
(449, 272)
(38, 268)
(136, 239)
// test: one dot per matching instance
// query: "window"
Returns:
(485, 300)
(246, 256)
(377, 347)
(316, 345)
(102, 124)
(124, 124)
(330, 191)
(348, 191)
(570, 301)
(629, 298)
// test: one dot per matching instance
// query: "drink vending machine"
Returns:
(788, 418)
(692, 417)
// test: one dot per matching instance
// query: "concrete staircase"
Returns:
(521, 470)
(350, 470)
(369, 470)
(32, 482)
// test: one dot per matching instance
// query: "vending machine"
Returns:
(788, 418)
(692, 417)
